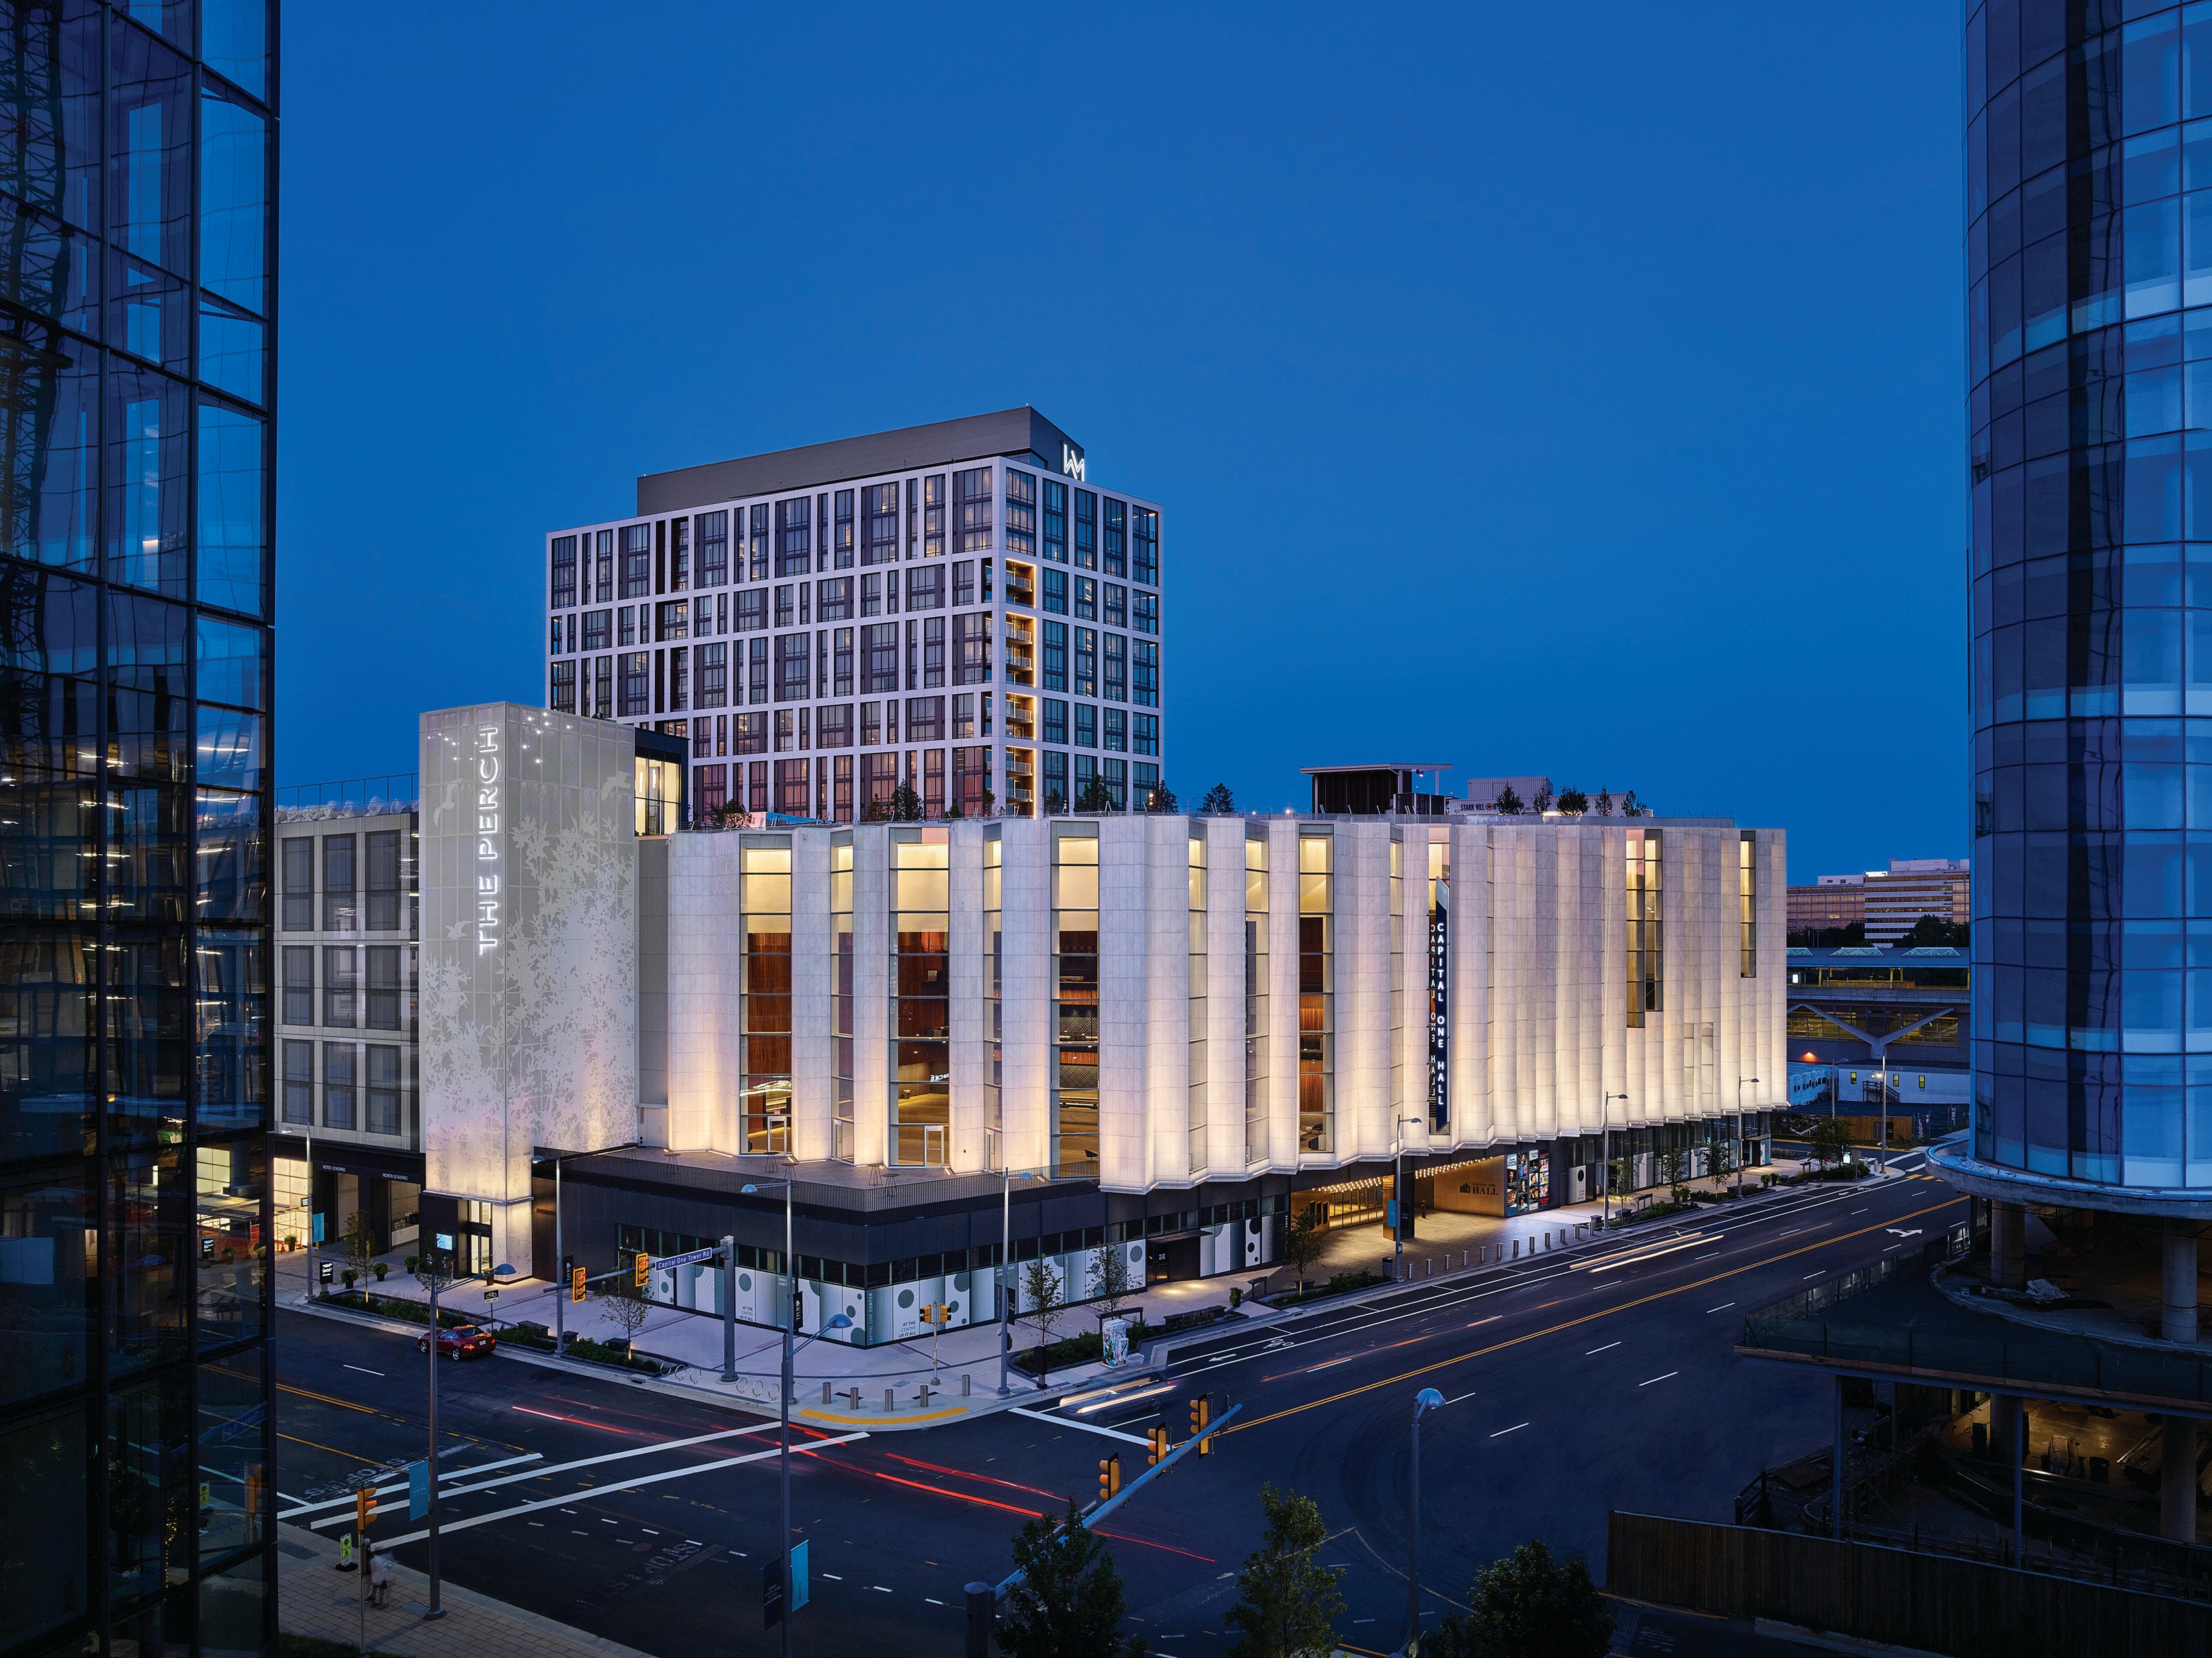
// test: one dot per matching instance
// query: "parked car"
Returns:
(461, 1342)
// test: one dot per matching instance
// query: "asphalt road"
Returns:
(1572, 1392)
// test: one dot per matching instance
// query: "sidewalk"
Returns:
(314, 1598)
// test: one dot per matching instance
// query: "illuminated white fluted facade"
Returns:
(1535, 1022)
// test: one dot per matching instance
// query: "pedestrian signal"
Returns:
(640, 1265)
(1157, 1439)
(1201, 1413)
(364, 1509)
(576, 1284)
(1109, 1478)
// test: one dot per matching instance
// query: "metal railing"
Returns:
(356, 797)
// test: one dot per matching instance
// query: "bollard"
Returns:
(890, 1401)
(983, 1614)
(854, 1394)
(1432, 1266)
(1517, 1249)
(825, 1391)
(966, 1384)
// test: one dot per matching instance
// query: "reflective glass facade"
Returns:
(138, 165)
(2089, 351)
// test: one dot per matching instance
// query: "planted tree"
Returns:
(1633, 807)
(906, 805)
(1510, 803)
(1053, 803)
(1066, 1601)
(1542, 803)
(1302, 1243)
(1162, 799)
(623, 1301)
(1573, 801)
(1720, 1161)
(1111, 1265)
(1048, 1304)
(359, 1238)
(1287, 1604)
(1830, 1140)
(1528, 1605)
(1219, 802)
(1094, 796)
(1619, 1177)
(1604, 801)
(1674, 1170)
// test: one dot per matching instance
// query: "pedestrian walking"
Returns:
(380, 1576)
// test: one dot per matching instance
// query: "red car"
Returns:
(462, 1342)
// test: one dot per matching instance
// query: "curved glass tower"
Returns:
(2089, 351)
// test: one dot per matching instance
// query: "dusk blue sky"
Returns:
(1570, 389)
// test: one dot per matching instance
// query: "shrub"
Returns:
(349, 1277)
(381, 1268)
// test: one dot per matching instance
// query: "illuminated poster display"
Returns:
(1528, 1180)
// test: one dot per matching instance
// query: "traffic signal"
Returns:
(1110, 1477)
(641, 1263)
(1157, 1440)
(1201, 1413)
(576, 1284)
(364, 1509)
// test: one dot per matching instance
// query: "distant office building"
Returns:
(138, 372)
(1187, 1028)
(1863, 1010)
(1889, 902)
(957, 609)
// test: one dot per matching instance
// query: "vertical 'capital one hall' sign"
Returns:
(489, 837)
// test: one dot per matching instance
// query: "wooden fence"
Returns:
(1936, 1603)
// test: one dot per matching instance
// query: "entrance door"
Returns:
(1169, 1260)
(933, 1144)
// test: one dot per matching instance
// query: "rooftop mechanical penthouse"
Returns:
(954, 608)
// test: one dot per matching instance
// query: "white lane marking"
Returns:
(1792, 1233)
(364, 1369)
(1607, 1348)
(1456, 1397)
(1715, 1256)
(620, 1486)
(879, 1588)
(1857, 1211)
(401, 1485)
(833, 1577)
(538, 1523)
(649, 1531)
(1722, 1308)
(1070, 1422)
(1811, 1275)
(1670, 1372)
(606, 1522)
(1514, 1429)
(933, 1599)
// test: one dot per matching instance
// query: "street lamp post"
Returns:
(1428, 1400)
(560, 1260)
(1604, 1169)
(1740, 1082)
(502, 1271)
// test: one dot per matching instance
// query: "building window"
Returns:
(382, 1011)
(1020, 511)
(748, 736)
(878, 782)
(604, 588)
(1117, 561)
(1117, 604)
(921, 975)
(752, 610)
(636, 682)
(597, 626)
(1055, 591)
(384, 1090)
(1145, 733)
(1116, 774)
(626, 629)
(299, 1083)
(1144, 545)
(714, 529)
(298, 867)
(1117, 731)
(713, 785)
(794, 555)
(765, 901)
(757, 562)
(1056, 721)
(841, 537)
(971, 777)
(971, 493)
(340, 985)
(971, 647)
(1145, 612)
(1086, 662)
(833, 726)
(385, 887)
(564, 571)
(1645, 955)
(564, 687)
(340, 912)
(299, 986)
(338, 1085)
(679, 555)
(636, 561)
(933, 526)
(1117, 668)
(1145, 672)
(925, 719)
(1316, 993)
(794, 671)
(879, 508)
(713, 676)
(1255, 998)
(675, 620)
(1055, 653)
(1087, 599)
(1056, 797)
(880, 663)
(833, 600)
(1747, 886)
(603, 691)
(1086, 529)
(1074, 1126)
(1056, 521)
(925, 588)
(1086, 726)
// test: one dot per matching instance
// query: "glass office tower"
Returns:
(138, 159)
(2089, 348)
